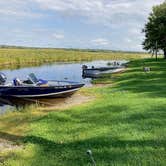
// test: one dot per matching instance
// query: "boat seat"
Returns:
(16, 82)
(42, 82)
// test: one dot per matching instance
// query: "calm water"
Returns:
(56, 71)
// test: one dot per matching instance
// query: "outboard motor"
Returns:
(84, 67)
(3, 78)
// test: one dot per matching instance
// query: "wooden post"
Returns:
(156, 50)
(152, 53)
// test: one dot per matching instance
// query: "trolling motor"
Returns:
(3, 78)
(89, 153)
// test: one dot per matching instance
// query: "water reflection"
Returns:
(12, 103)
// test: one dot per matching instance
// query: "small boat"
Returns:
(100, 71)
(85, 68)
(36, 88)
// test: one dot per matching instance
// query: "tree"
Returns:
(155, 30)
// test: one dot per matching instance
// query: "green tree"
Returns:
(155, 30)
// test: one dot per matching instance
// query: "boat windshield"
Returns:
(32, 78)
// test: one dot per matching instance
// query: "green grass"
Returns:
(125, 125)
(15, 57)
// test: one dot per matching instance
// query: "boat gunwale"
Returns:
(47, 94)
(72, 84)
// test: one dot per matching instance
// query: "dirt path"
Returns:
(6, 145)
(64, 103)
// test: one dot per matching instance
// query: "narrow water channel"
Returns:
(56, 71)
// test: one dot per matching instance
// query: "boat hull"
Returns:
(37, 92)
(98, 74)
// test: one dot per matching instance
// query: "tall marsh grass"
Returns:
(15, 56)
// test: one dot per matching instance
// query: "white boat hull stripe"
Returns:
(49, 94)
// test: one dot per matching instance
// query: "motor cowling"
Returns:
(3, 78)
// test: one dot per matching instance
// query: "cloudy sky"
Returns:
(102, 24)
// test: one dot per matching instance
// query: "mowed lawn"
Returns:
(125, 125)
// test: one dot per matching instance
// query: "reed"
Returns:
(20, 57)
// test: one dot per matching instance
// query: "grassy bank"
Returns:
(125, 125)
(14, 56)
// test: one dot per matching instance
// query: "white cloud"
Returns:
(124, 16)
(107, 12)
(17, 8)
(121, 19)
(128, 40)
(58, 36)
(100, 42)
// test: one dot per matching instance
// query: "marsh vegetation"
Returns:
(14, 57)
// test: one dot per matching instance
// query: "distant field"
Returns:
(16, 56)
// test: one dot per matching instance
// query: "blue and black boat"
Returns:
(36, 88)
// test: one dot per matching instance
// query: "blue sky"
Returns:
(95, 24)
